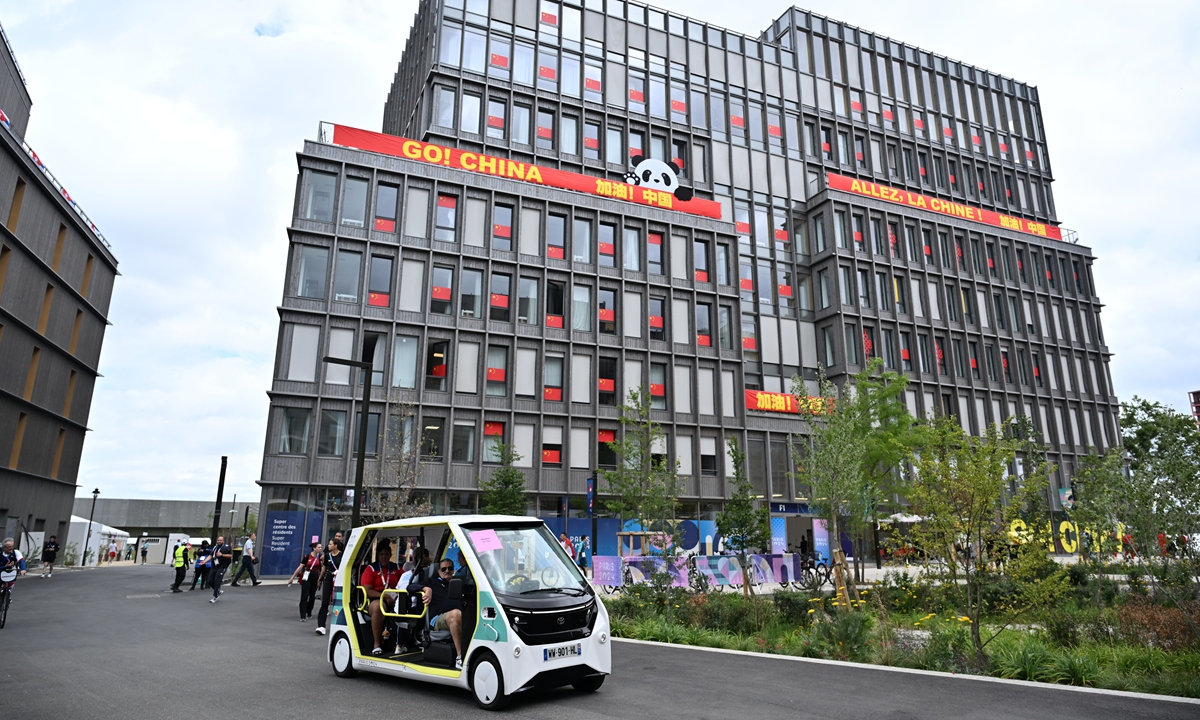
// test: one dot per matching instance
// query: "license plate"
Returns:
(563, 651)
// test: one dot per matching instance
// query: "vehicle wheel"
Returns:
(4, 600)
(342, 657)
(487, 683)
(589, 684)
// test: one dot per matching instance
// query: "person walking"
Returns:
(221, 558)
(112, 552)
(203, 566)
(145, 551)
(181, 565)
(308, 571)
(330, 566)
(249, 560)
(49, 555)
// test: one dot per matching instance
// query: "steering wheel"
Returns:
(516, 581)
(551, 577)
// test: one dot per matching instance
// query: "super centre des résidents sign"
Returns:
(512, 170)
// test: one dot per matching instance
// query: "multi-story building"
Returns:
(868, 198)
(56, 281)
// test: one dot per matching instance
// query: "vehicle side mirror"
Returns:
(455, 589)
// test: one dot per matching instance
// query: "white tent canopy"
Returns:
(101, 536)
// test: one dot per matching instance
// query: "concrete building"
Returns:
(162, 518)
(56, 281)
(872, 199)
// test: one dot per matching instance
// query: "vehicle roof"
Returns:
(448, 520)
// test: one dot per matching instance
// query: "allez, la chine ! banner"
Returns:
(940, 206)
(523, 172)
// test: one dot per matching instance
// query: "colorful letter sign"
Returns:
(787, 403)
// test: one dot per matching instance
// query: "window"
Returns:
(314, 264)
(552, 383)
(581, 308)
(502, 220)
(346, 277)
(447, 211)
(527, 301)
(404, 362)
(725, 326)
(379, 283)
(440, 302)
(839, 229)
(968, 312)
(354, 202)
(498, 301)
(436, 364)
(632, 244)
(1022, 370)
(952, 302)
(462, 445)
(293, 431)
(497, 370)
(703, 324)
(470, 297)
(386, 197)
(520, 124)
(927, 246)
(581, 241)
(823, 293)
(960, 364)
(606, 311)
(1005, 366)
(591, 141)
(1037, 369)
(568, 140)
(493, 438)
(331, 436)
(468, 118)
(989, 355)
(444, 111)
(883, 291)
(818, 233)
(827, 345)
(923, 353)
(657, 318)
(939, 350)
(372, 434)
(556, 237)
(320, 196)
(853, 341)
(906, 362)
(973, 358)
(700, 260)
(847, 286)
(552, 446)
(654, 253)
(545, 130)
(606, 381)
(556, 303)
(864, 288)
(658, 386)
(614, 146)
(860, 237)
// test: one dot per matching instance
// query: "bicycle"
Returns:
(7, 580)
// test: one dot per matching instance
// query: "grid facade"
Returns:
(987, 321)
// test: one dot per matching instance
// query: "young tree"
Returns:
(959, 486)
(392, 491)
(643, 487)
(743, 525)
(504, 492)
(1154, 504)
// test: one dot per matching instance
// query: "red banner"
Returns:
(787, 403)
(512, 170)
(943, 207)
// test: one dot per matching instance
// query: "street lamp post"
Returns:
(92, 514)
(368, 350)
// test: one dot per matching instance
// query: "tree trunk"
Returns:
(840, 575)
(746, 570)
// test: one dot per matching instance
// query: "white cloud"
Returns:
(176, 126)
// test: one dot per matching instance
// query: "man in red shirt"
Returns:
(383, 574)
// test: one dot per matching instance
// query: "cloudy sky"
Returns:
(175, 126)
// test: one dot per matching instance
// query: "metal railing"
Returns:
(53, 180)
(1069, 235)
(13, 55)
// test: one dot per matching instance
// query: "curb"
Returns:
(914, 671)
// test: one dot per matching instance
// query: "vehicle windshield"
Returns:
(525, 561)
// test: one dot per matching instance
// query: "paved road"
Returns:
(110, 643)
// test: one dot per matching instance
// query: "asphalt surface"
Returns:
(115, 643)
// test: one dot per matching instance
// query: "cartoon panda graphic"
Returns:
(659, 175)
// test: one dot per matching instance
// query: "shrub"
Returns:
(901, 593)
(1063, 626)
(1025, 659)
(844, 636)
(1145, 623)
(1078, 574)
(793, 607)
(948, 649)
(1075, 668)
(734, 613)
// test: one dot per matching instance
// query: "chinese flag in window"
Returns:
(385, 225)
(678, 106)
(858, 156)
(749, 343)
(1028, 154)
(495, 121)
(704, 340)
(633, 151)
(438, 371)
(607, 385)
(591, 143)
(378, 299)
(606, 435)
(747, 284)
(637, 96)
(654, 239)
(440, 293)
(554, 394)
(545, 132)
(502, 231)
(656, 322)
(499, 60)
(555, 252)
(974, 363)
(887, 115)
(591, 84)
(742, 228)
(785, 291)
(678, 162)
(552, 456)
(975, 139)
(856, 106)
(737, 121)
(947, 132)
(701, 276)
(904, 354)
(447, 201)
(774, 131)
(607, 248)
(607, 315)
(499, 301)
(824, 147)
(918, 123)
(549, 18)
(1003, 147)
(554, 321)
(493, 428)
(781, 234)
(658, 390)
(857, 236)
(496, 374)
(547, 72)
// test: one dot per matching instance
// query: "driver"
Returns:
(444, 613)
(383, 574)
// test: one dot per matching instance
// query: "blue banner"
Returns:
(285, 540)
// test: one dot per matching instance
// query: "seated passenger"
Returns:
(377, 577)
(444, 613)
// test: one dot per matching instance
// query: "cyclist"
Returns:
(11, 558)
